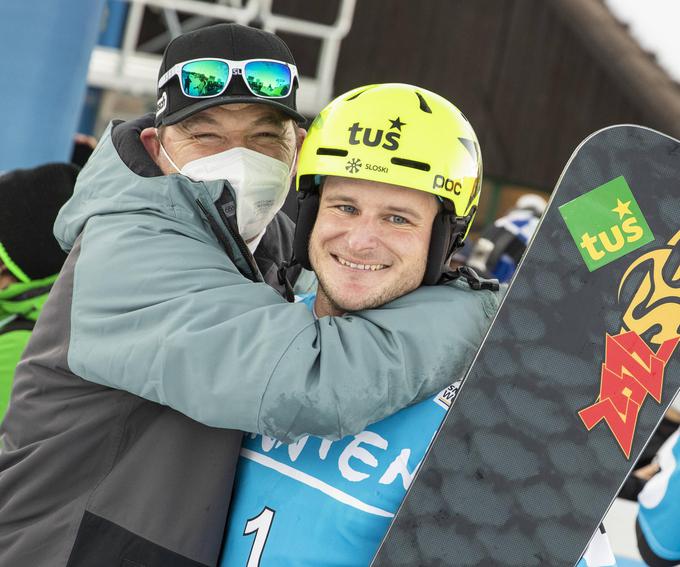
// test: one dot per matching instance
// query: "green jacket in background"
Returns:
(20, 305)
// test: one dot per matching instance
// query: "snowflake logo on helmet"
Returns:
(353, 165)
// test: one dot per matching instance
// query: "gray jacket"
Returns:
(160, 342)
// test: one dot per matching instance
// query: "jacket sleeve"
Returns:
(160, 311)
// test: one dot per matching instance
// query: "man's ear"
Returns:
(149, 138)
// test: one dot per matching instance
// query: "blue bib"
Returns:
(320, 503)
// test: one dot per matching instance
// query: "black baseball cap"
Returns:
(222, 41)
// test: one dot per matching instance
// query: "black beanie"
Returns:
(29, 202)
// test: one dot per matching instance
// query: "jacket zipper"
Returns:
(243, 248)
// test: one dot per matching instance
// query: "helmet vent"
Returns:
(331, 152)
(420, 165)
(470, 147)
(423, 103)
(357, 95)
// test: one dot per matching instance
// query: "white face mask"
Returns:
(260, 183)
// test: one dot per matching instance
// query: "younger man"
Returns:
(390, 177)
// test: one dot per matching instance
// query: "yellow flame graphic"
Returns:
(655, 304)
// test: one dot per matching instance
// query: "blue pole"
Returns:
(115, 16)
(45, 49)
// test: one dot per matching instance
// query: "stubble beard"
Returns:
(372, 300)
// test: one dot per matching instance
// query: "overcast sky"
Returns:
(656, 25)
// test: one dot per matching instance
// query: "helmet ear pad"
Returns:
(308, 208)
(440, 246)
(448, 233)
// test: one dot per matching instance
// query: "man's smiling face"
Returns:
(258, 127)
(369, 244)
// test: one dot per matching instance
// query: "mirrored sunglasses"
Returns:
(204, 78)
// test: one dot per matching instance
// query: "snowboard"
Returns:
(575, 373)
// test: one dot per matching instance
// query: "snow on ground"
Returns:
(654, 24)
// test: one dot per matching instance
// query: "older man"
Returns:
(161, 338)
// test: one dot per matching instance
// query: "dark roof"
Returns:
(619, 54)
(534, 77)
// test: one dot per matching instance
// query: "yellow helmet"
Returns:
(398, 134)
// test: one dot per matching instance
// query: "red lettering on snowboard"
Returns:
(631, 370)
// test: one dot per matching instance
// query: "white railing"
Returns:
(132, 70)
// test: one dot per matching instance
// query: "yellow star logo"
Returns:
(622, 208)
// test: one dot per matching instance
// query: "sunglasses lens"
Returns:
(268, 78)
(204, 78)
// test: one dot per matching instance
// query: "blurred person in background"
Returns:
(30, 257)
(168, 333)
(499, 249)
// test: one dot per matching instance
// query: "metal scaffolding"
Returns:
(131, 68)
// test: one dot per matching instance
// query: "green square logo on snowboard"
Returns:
(606, 223)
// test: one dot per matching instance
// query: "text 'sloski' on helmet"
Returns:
(398, 134)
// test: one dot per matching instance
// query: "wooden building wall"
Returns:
(519, 71)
